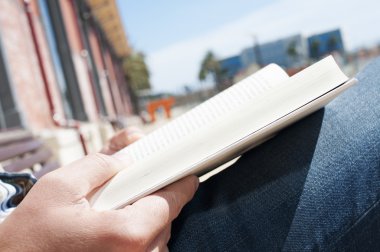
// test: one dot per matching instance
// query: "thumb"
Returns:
(155, 212)
(86, 174)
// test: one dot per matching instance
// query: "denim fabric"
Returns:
(315, 186)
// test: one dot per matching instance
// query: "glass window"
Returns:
(55, 56)
(9, 115)
(61, 57)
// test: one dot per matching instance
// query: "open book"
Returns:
(221, 129)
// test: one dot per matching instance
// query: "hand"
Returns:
(56, 216)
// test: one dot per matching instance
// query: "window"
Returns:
(9, 115)
(61, 57)
(83, 19)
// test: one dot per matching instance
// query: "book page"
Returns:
(227, 101)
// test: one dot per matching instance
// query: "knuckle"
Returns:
(99, 158)
(102, 160)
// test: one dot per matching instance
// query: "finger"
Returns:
(126, 137)
(122, 139)
(161, 241)
(86, 174)
(144, 220)
(156, 211)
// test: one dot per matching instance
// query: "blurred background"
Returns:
(74, 71)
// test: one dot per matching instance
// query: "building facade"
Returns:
(287, 52)
(231, 66)
(325, 43)
(292, 53)
(61, 76)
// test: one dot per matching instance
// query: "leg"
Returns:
(314, 186)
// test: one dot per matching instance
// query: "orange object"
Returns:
(152, 107)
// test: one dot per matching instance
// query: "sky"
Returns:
(176, 34)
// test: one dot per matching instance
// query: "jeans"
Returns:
(315, 186)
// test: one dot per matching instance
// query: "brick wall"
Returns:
(25, 74)
(22, 66)
(24, 69)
